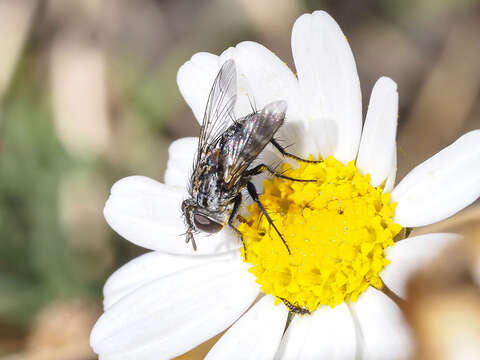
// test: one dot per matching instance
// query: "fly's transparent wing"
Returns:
(257, 131)
(219, 109)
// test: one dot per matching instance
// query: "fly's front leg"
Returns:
(187, 210)
(263, 167)
(190, 238)
(190, 229)
(254, 195)
(291, 156)
(236, 206)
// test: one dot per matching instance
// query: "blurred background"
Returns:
(88, 95)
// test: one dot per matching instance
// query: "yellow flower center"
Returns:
(336, 228)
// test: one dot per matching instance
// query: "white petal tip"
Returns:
(322, 13)
(318, 16)
(131, 184)
(440, 186)
(249, 45)
(387, 82)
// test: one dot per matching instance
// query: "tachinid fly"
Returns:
(227, 147)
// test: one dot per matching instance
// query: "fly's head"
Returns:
(199, 219)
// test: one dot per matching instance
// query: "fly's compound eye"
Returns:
(204, 224)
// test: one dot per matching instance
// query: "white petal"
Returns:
(390, 183)
(181, 154)
(384, 331)
(170, 316)
(148, 214)
(149, 267)
(440, 186)
(409, 255)
(326, 334)
(329, 82)
(377, 146)
(255, 336)
(270, 79)
(143, 203)
(195, 79)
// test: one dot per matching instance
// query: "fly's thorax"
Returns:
(208, 187)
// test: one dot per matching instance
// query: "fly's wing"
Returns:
(257, 131)
(219, 109)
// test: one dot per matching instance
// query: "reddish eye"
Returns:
(205, 224)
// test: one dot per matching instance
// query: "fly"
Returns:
(226, 149)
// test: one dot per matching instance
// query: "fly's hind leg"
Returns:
(254, 195)
(236, 206)
(282, 151)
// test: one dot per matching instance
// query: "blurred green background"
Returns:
(88, 95)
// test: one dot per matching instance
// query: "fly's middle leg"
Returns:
(236, 206)
(254, 195)
(282, 151)
(263, 167)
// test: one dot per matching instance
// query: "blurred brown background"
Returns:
(88, 95)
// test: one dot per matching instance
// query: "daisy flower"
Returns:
(348, 267)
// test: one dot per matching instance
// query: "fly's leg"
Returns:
(294, 308)
(236, 207)
(263, 167)
(282, 150)
(190, 229)
(190, 238)
(254, 195)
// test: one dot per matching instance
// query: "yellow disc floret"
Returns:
(336, 228)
